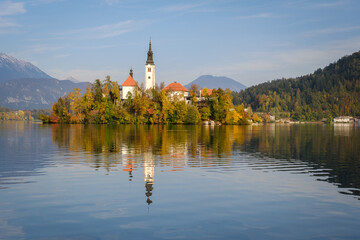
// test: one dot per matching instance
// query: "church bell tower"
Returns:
(149, 70)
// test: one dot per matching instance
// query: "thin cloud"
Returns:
(9, 30)
(41, 48)
(256, 16)
(112, 2)
(100, 46)
(332, 30)
(62, 56)
(330, 4)
(180, 7)
(86, 75)
(40, 2)
(6, 23)
(310, 4)
(8, 8)
(103, 31)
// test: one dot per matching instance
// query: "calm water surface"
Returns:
(179, 182)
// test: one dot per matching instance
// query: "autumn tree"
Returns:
(193, 93)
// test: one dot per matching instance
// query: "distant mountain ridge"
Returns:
(25, 86)
(211, 82)
(71, 78)
(35, 93)
(12, 68)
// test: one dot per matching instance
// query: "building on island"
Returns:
(176, 90)
(149, 70)
(203, 94)
(128, 86)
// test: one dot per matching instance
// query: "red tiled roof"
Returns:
(175, 87)
(129, 82)
(209, 91)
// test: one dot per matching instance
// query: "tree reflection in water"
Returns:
(330, 152)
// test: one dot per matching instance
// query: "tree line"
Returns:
(21, 115)
(101, 103)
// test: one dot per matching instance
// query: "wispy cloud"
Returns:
(86, 75)
(8, 8)
(103, 31)
(112, 2)
(256, 16)
(100, 46)
(180, 7)
(61, 56)
(311, 4)
(332, 30)
(42, 2)
(330, 4)
(41, 48)
(7, 23)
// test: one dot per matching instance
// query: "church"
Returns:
(129, 86)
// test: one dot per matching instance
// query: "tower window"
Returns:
(149, 69)
(148, 77)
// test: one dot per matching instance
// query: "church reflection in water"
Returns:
(149, 171)
(173, 148)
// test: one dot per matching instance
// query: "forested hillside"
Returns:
(327, 93)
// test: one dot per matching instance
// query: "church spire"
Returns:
(149, 70)
(150, 59)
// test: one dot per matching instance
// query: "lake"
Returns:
(274, 181)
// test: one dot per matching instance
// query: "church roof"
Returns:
(129, 82)
(176, 87)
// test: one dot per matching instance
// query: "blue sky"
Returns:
(247, 40)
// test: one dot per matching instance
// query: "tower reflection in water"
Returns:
(149, 170)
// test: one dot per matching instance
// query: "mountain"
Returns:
(211, 82)
(12, 68)
(24, 86)
(329, 92)
(35, 93)
(71, 78)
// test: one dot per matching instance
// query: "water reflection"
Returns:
(21, 147)
(330, 153)
(229, 182)
(149, 172)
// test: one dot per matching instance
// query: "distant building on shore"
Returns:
(343, 119)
